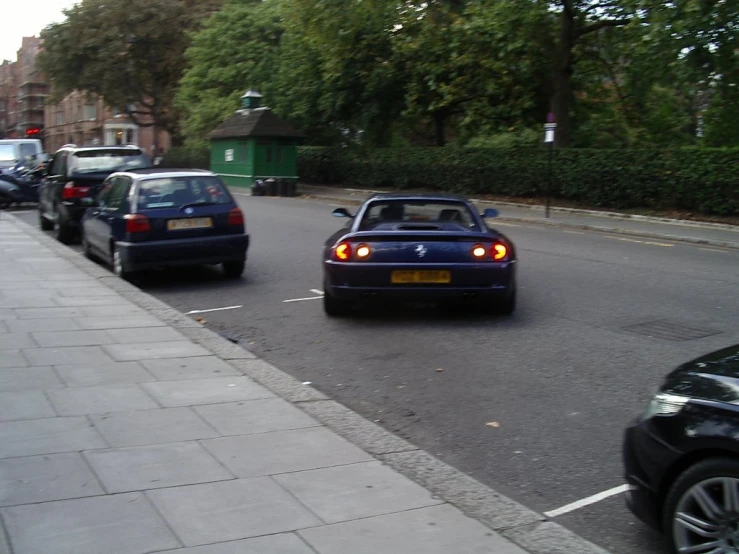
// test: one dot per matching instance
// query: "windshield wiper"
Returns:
(192, 204)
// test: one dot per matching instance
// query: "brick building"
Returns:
(33, 90)
(84, 120)
(8, 99)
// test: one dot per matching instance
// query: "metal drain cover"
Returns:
(670, 330)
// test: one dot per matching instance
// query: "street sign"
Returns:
(549, 132)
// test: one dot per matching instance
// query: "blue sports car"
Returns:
(419, 247)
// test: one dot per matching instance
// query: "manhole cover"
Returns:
(669, 330)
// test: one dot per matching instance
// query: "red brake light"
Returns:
(499, 251)
(71, 191)
(235, 217)
(137, 223)
(343, 251)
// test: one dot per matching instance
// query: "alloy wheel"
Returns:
(706, 518)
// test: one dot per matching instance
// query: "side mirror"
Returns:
(341, 212)
(490, 213)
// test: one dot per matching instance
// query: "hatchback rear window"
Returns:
(99, 161)
(174, 192)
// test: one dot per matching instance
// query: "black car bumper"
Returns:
(137, 256)
(470, 281)
(646, 461)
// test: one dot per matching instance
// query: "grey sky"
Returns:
(25, 18)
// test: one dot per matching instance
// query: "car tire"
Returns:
(505, 306)
(333, 307)
(86, 249)
(44, 223)
(233, 270)
(709, 475)
(62, 231)
(119, 268)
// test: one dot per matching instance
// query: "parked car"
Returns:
(14, 151)
(682, 456)
(75, 174)
(151, 218)
(410, 247)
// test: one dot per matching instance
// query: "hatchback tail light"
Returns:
(71, 191)
(236, 217)
(137, 223)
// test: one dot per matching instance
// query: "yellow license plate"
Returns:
(192, 223)
(428, 276)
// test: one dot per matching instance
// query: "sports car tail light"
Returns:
(363, 251)
(137, 223)
(499, 251)
(71, 191)
(343, 251)
(478, 251)
(236, 217)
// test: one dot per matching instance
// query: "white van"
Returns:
(13, 151)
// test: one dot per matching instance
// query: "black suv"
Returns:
(74, 176)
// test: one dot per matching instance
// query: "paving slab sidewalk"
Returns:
(696, 232)
(126, 427)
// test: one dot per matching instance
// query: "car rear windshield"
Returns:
(7, 153)
(171, 192)
(436, 211)
(99, 161)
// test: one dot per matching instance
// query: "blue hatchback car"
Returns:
(150, 218)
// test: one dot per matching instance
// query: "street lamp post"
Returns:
(549, 128)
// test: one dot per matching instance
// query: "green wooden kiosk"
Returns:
(254, 144)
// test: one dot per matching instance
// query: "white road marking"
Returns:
(214, 310)
(316, 291)
(574, 232)
(302, 299)
(712, 249)
(587, 501)
(502, 224)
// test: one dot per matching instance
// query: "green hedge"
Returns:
(699, 180)
(184, 157)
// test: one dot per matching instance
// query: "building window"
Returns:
(91, 112)
(60, 117)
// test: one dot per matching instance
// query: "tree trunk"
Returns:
(439, 124)
(562, 78)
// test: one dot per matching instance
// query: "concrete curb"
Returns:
(584, 227)
(528, 529)
(577, 211)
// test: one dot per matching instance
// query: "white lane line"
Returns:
(316, 291)
(574, 232)
(302, 299)
(587, 501)
(214, 310)
(712, 249)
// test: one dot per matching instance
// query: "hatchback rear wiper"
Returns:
(191, 204)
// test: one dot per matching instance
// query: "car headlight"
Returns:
(665, 404)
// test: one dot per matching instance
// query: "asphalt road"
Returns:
(533, 405)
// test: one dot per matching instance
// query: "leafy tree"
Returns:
(237, 49)
(130, 52)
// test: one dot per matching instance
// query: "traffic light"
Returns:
(32, 132)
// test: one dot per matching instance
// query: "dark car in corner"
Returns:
(74, 174)
(404, 247)
(682, 456)
(152, 218)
